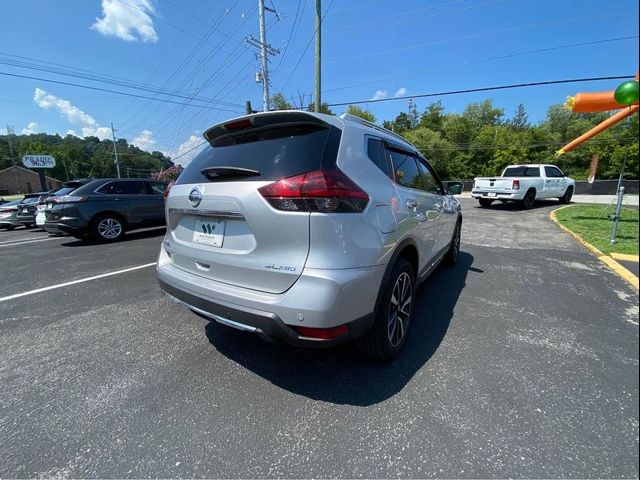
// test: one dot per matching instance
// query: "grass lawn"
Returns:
(11, 198)
(592, 223)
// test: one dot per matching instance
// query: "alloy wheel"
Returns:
(109, 228)
(399, 309)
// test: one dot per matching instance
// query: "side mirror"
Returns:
(454, 188)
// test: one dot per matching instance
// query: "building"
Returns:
(21, 180)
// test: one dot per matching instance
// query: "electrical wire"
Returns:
(484, 89)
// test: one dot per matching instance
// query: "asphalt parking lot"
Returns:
(523, 362)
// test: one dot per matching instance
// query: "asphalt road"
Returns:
(523, 362)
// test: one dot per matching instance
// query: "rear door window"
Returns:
(553, 172)
(406, 170)
(157, 188)
(276, 152)
(124, 188)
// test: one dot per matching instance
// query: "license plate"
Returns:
(492, 194)
(209, 232)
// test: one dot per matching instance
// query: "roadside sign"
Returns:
(38, 161)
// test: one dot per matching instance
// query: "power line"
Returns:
(88, 87)
(485, 89)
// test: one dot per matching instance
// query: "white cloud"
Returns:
(72, 132)
(380, 94)
(401, 92)
(188, 150)
(32, 127)
(130, 22)
(145, 140)
(72, 113)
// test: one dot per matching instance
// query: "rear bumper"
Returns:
(59, 228)
(319, 299)
(493, 195)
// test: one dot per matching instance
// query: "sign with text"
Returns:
(38, 161)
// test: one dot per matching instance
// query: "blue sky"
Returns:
(371, 48)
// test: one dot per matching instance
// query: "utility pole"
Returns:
(265, 51)
(115, 150)
(318, 54)
(11, 132)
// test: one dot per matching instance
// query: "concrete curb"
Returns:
(622, 272)
(625, 258)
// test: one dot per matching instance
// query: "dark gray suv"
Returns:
(105, 209)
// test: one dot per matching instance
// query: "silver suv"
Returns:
(308, 229)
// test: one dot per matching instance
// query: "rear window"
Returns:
(522, 172)
(63, 191)
(275, 152)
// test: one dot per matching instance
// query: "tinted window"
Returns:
(63, 191)
(377, 154)
(29, 200)
(157, 187)
(406, 170)
(552, 172)
(124, 188)
(275, 152)
(522, 172)
(431, 184)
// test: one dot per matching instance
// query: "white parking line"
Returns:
(74, 282)
(24, 242)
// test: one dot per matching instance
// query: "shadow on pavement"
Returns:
(129, 237)
(343, 375)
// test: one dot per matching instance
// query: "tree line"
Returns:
(87, 157)
(482, 140)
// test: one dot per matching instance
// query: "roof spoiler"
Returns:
(260, 120)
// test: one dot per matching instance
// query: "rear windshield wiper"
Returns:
(213, 173)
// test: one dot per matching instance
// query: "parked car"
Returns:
(27, 208)
(524, 184)
(67, 188)
(8, 213)
(308, 229)
(107, 208)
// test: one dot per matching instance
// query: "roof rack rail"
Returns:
(362, 121)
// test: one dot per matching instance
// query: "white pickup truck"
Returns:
(524, 184)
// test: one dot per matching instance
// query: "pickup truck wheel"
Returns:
(393, 319)
(566, 198)
(107, 228)
(529, 199)
(485, 202)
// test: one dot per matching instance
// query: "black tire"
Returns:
(485, 202)
(10, 227)
(107, 227)
(451, 258)
(385, 339)
(529, 199)
(566, 198)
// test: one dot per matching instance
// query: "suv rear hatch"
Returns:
(230, 217)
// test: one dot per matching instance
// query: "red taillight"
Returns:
(329, 191)
(322, 333)
(516, 185)
(165, 194)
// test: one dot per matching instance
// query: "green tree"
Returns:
(278, 102)
(361, 112)
(520, 120)
(433, 117)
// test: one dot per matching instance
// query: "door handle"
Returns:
(412, 204)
